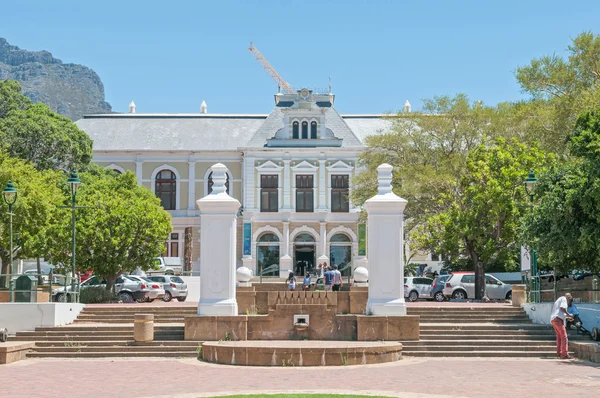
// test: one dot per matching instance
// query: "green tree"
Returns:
(34, 211)
(565, 222)
(483, 220)
(121, 226)
(560, 90)
(33, 132)
(428, 150)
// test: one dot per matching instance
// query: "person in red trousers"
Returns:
(557, 319)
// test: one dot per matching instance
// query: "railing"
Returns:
(586, 289)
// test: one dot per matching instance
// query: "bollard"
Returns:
(143, 327)
(519, 295)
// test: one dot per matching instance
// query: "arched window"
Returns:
(313, 130)
(295, 130)
(340, 253)
(117, 171)
(210, 183)
(267, 255)
(165, 189)
(304, 130)
(304, 238)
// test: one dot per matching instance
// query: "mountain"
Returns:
(69, 89)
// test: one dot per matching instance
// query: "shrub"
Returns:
(95, 295)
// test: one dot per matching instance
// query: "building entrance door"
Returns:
(304, 254)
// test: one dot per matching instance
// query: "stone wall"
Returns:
(586, 351)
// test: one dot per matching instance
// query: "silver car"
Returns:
(174, 286)
(417, 287)
(461, 285)
(155, 290)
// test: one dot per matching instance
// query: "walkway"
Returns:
(409, 378)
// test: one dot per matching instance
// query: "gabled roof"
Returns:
(197, 132)
(213, 132)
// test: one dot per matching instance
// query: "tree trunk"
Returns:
(39, 271)
(187, 250)
(110, 281)
(479, 280)
(4, 270)
(479, 271)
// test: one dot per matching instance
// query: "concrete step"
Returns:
(464, 342)
(60, 354)
(94, 328)
(492, 353)
(454, 326)
(88, 337)
(480, 347)
(117, 349)
(121, 343)
(475, 332)
(455, 337)
(125, 320)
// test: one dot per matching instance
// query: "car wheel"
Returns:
(459, 295)
(413, 296)
(439, 297)
(168, 297)
(126, 297)
(149, 300)
(509, 295)
(181, 299)
(60, 298)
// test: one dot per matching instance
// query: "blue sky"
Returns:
(170, 55)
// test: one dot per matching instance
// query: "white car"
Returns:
(127, 289)
(461, 285)
(416, 287)
(155, 290)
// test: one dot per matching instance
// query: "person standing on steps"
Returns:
(291, 281)
(328, 279)
(306, 282)
(558, 318)
(337, 279)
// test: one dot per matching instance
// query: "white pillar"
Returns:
(192, 185)
(322, 187)
(218, 239)
(285, 262)
(323, 244)
(287, 191)
(385, 248)
(139, 171)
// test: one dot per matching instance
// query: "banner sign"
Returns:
(362, 239)
(247, 238)
(525, 259)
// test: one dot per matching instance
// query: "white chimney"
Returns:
(407, 107)
(203, 107)
(132, 107)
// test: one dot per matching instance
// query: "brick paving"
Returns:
(410, 378)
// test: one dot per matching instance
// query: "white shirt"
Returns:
(556, 312)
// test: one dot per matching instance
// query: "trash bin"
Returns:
(26, 289)
(143, 327)
(519, 295)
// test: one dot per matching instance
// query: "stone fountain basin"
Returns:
(300, 352)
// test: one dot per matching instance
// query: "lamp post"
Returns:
(10, 197)
(530, 188)
(73, 182)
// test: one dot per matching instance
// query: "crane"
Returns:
(283, 85)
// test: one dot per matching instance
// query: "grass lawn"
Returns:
(302, 396)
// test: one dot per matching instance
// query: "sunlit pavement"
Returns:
(410, 377)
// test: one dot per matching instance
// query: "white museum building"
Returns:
(291, 170)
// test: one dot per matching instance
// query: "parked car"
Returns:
(437, 288)
(167, 266)
(174, 286)
(155, 289)
(127, 290)
(461, 285)
(416, 287)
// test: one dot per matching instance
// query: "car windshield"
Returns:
(405, 279)
(147, 279)
(177, 279)
(131, 278)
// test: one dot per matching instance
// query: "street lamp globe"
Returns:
(74, 182)
(530, 183)
(10, 194)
